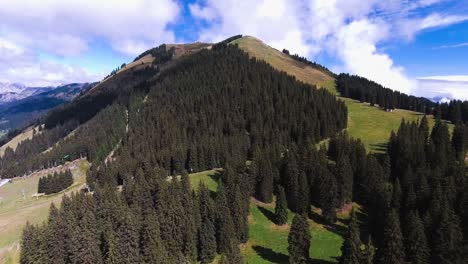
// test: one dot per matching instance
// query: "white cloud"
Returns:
(70, 28)
(451, 87)
(67, 27)
(272, 21)
(408, 28)
(460, 45)
(18, 64)
(350, 30)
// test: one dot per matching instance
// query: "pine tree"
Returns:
(458, 141)
(53, 237)
(31, 250)
(392, 250)
(152, 247)
(448, 238)
(369, 252)
(344, 175)
(328, 197)
(424, 129)
(207, 234)
(351, 248)
(281, 208)
(224, 225)
(417, 249)
(109, 248)
(299, 240)
(303, 204)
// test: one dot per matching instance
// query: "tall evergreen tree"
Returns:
(31, 250)
(299, 240)
(448, 246)
(53, 237)
(458, 141)
(392, 250)
(351, 249)
(344, 175)
(328, 196)
(281, 208)
(207, 234)
(416, 244)
(151, 245)
(224, 225)
(369, 252)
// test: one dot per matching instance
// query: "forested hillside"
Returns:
(221, 108)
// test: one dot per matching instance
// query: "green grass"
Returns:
(283, 62)
(16, 210)
(373, 125)
(268, 243)
(209, 178)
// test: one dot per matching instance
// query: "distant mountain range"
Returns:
(20, 104)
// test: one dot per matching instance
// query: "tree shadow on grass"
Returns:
(379, 147)
(275, 257)
(335, 228)
(321, 261)
(267, 213)
(270, 255)
(215, 176)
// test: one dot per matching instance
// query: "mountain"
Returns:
(11, 87)
(196, 152)
(31, 103)
(10, 92)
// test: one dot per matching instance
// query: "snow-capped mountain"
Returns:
(11, 87)
(10, 92)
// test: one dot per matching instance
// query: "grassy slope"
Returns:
(268, 242)
(16, 211)
(370, 124)
(13, 143)
(282, 62)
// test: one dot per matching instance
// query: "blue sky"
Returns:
(415, 46)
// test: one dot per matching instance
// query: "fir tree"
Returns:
(299, 240)
(351, 248)
(281, 209)
(224, 225)
(458, 141)
(369, 252)
(344, 175)
(151, 245)
(448, 239)
(416, 243)
(31, 250)
(392, 250)
(54, 236)
(207, 234)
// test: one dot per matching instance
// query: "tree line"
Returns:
(364, 90)
(54, 183)
(312, 64)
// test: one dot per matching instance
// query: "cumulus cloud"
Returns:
(67, 27)
(70, 28)
(18, 64)
(273, 21)
(350, 30)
